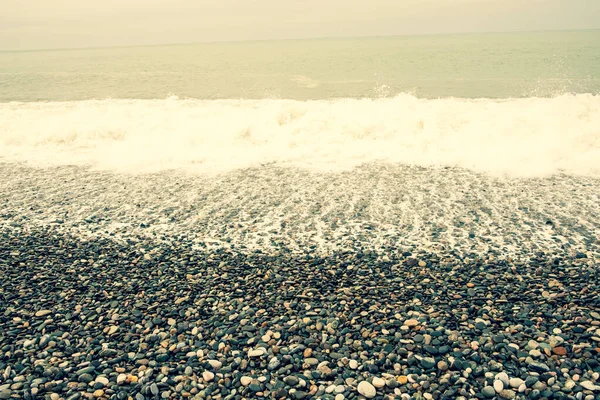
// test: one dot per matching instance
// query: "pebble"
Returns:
(516, 382)
(378, 383)
(245, 380)
(488, 391)
(103, 380)
(507, 394)
(43, 313)
(498, 386)
(291, 380)
(366, 389)
(256, 352)
(274, 363)
(208, 376)
(560, 351)
(427, 362)
(589, 385)
(503, 377)
(314, 327)
(442, 365)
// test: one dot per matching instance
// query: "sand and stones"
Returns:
(96, 318)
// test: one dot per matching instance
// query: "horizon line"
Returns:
(32, 50)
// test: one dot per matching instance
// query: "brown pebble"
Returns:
(559, 351)
(470, 285)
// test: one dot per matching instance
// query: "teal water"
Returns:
(540, 64)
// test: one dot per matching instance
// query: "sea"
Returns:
(471, 143)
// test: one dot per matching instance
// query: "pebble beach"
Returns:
(347, 218)
(171, 286)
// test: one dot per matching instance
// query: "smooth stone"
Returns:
(516, 382)
(85, 370)
(411, 323)
(589, 385)
(154, 389)
(539, 366)
(442, 365)
(274, 363)
(498, 386)
(488, 391)
(535, 353)
(507, 394)
(427, 362)
(503, 376)
(43, 313)
(256, 352)
(255, 386)
(366, 389)
(299, 394)
(208, 376)
(121, 378)
(245, 380)
(353, 364)
(291, 380)
(102, 380)
(378, 382)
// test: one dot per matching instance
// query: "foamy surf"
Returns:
(519, 137)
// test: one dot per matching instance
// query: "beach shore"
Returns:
(106, 319)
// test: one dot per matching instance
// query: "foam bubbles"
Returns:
(518, 137)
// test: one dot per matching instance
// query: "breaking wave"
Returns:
(518, 137)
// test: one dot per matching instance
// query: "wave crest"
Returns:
(519, 137)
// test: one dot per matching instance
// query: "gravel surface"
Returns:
(382, 282)
(103, 319)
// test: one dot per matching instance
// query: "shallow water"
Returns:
(379, 207)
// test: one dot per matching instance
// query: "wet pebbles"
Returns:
(142, 319)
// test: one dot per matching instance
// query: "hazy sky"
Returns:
(27, 24)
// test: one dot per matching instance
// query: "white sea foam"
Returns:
(522, 137)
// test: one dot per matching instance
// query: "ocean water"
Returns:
(477, 143)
